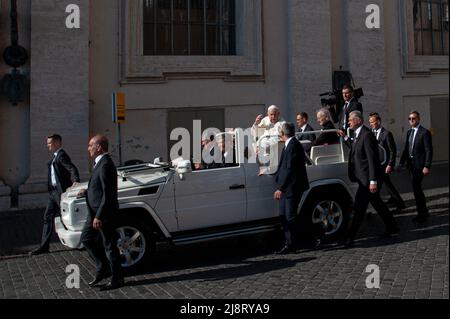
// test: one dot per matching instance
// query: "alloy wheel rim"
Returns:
(131, 244)
(330, 214)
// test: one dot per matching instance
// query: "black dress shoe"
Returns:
(38, 251)
(98, 279)
(285, 250)
(114, 284)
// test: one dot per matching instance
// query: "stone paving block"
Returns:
(413, 266)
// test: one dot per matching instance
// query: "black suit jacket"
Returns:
(386, 140)
(363, 162)
(354, 105)
(306, 137)
(327, 138)
(291, 176)
(65, 171)
(422, 151)
(101, 196)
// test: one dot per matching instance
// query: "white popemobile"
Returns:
(172, 202)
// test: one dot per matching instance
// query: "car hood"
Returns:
(135, 180)
(142, 179)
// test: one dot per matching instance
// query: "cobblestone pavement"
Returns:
(412, 265)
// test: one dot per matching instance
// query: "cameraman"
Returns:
(350, 104)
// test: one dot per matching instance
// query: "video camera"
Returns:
(334, 100)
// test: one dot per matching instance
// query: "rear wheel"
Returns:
(327, 213)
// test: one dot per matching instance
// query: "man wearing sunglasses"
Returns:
(417, 155)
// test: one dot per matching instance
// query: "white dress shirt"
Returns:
(53, 174)
(287, 142)
(377, 133)
(303, 128)
(98, 158)
(415, 129)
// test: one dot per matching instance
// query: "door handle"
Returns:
(236, 186)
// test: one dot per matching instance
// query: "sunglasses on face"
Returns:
(412, 118)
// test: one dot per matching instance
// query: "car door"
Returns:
(210, 197)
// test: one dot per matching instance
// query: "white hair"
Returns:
(324, 112)
(273, 107)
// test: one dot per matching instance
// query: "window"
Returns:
(431, 27)
(154, 50)
(189, 27)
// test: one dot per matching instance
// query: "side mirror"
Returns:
(183, 167)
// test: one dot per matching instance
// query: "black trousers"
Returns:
(393, 191)
(288, 212)
(362, 199)
(421, 202)
(102, 247)
(53, 210)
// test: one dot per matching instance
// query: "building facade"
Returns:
(220, 61)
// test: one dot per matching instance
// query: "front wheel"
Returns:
(135, 243)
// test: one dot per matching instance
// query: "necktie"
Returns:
(345, 115)
(376, 134)
(282, 155)
(411, 142)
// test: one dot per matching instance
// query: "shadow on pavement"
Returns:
(246, 268)
(21, 231)
(369, 235)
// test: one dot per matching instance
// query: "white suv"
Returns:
(162, 202)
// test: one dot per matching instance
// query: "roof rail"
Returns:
(134, 169)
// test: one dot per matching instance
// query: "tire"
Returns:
(325, 214)
(136, 243)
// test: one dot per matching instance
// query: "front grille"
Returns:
(65, 207)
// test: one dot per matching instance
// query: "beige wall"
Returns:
(74, 72)
(147, 103)
(407, 91)
(14, 120)
(310, 55)
(58, 92)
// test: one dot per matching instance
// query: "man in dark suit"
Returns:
(386, 140)
(350, 104)
(417, 156)
(364, 168)
(292, 181)
(99, 231)
(61, 175)
(303, 127)
(324, 120)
